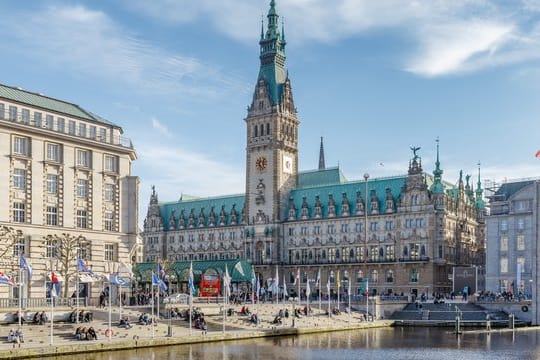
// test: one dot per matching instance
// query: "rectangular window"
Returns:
(520, 264)
(414, 275)
(389, 225)
(82, 222)
(504, 243)
(373, 226)
(504, 265)
(51, 215)
(71, 127)
(54, 152)
(111, 163)
(83, 158)
(82, 129)
(12, 113)
(37, 119)
(19, 179)
(109, 252)
(521, 224)
(18, 212)
(19, 247)
(49, 122)
(390, 252)
(61, 125)
(358, 227)
(82, 188)
(109, 192)
(25, 116)
(520, 242)
(2, 111)
(109, 220)
(102, 135)
(52, 184)
(92, 133)
(504, 225)
(21, 146)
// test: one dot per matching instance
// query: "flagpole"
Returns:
(110, 309)
(299, 291)
(120, 296)
(20, 292)
(77, 291)
(349, 293)
(52, 307)
(153, 299)
(320, 294)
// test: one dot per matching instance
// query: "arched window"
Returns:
(324, 254)
(255, 129)
(297, 256)
(359, 276)
(262, 129)
(351, 254)
(389, 276)
(267, 128)
(374, 276)
(423, 250)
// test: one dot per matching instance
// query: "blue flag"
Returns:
(191, 284)
(81, 265)
(117, 280)
(160, 271)
(25, 265)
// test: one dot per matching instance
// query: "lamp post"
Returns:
(366, 177)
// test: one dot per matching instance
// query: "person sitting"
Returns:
(84, 333)
(277, 320)
(19, 335)
(91, 334)
(286, 313)
(78, 333)
(43, 318)
(11, 336)
(254, 319)
(35, 319)
(124, 322)
(73, 317)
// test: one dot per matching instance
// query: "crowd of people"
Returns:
(83, 333)
(16, 336)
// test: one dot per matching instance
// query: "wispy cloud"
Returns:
(157, 125)
(90, 43)
(445, 37)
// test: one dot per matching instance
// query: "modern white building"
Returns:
(64, 170)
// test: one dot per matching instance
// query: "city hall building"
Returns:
(405, 233)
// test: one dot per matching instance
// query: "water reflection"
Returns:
(387, 344)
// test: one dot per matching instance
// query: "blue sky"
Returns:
(372, 77)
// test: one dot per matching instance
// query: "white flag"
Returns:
(318, 277)
(308, 290)
(276, 282)
(285, 294)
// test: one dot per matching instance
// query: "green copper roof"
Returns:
(239, 270)
(272, 56)
(395, 185)
(47, 103)
(188, 204)
(326, 176)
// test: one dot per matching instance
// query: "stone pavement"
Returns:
(37, 337)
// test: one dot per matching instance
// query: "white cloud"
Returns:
(157, 125)
(90, 43)
(458, 47)
(447, 37)
(175, 170)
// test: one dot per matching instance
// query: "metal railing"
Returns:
(33, 303)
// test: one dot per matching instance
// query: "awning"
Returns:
(86, 278)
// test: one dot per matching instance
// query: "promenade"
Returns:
(37, 339)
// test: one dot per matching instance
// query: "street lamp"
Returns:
(366, 177)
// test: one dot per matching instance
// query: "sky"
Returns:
(374, 78)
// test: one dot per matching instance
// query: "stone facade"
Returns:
(404, 234)
(64, 170)
(512, 240)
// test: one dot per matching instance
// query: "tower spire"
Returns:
(272, 56)
(480, 203)
(437, 186)
(322, 166)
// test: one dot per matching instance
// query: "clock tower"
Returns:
(271, 132)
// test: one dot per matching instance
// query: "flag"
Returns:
(285, 288)
(117, 280)
(318, 278)
(308, 290)
(349, 288)
(538, 153)
(328, 286)
(126, 269)
(160, 271)
(55, 286)
(253, 279)
(191, 284)
(6, 280)
(338, 280)
(26, 265)
(227, 282)
(258, 286)
(297, 278)
(276, 282)
(81, 265)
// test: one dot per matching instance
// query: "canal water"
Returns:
(384, 344)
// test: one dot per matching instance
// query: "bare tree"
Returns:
(63, 250)
(9, 240)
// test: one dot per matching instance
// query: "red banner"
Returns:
(210, 285)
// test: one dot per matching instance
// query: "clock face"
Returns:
(261, 163)
(287, 165)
